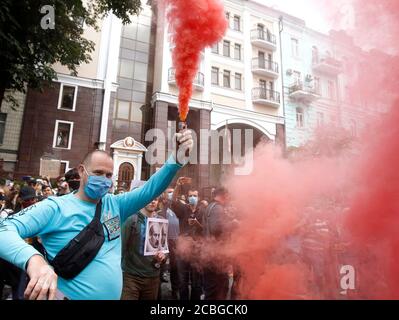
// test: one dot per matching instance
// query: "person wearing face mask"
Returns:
(189, 216)
(73, 179)
(60, 220)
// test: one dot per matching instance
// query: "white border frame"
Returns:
(55, 134)
(74, 97)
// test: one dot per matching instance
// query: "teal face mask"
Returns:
(193, 200)
(97, 186)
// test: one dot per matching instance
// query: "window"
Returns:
(64, 167)
(226, 48)
(122, 110)
(261, 60)
(297, 77)
(226, 78)
(295, 47)
(126, 68)
(331, 89)
(320, 119)
(215, 48)
(271, 86)
(317, 85)
(3, 118)
(261, 31)
(262, 84)
(126, 110)
(299, 118)
(238, 77)
(237, 51)
(67, 97)
(228, 18)
(215, 76)
(237, 23)
(63, 134)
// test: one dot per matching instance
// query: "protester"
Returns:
(47, 192)
(215, 227)
(189, 216)
(140, 273)
(58, 220)
(63, 187)
(73, 179)
(173, 235)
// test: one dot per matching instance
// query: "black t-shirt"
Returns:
(184, 212)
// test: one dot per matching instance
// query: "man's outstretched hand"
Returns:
(43, 280)
(185, 145)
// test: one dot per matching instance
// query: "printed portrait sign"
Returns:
(156, 236)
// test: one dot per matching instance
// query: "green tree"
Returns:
(28, 51)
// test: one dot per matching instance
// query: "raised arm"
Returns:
(133, 201)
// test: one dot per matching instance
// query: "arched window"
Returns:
(125, 175)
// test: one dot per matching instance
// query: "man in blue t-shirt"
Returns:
(58, 220)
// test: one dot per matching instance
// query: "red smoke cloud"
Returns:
(337, 202)
(195, 24)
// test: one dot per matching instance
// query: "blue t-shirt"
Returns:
(59, 220)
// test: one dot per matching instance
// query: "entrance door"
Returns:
(125, 175)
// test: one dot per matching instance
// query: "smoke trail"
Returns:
(195, 24)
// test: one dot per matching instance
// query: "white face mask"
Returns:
(170, 196)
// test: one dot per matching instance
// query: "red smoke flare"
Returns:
(195, 24)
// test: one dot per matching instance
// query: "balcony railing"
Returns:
(199, 79)
(265, 94)
(264, 64)
(300, 86)
(263, 35)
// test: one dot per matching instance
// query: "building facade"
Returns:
(270, 73)
(10, 131)
(238, 85)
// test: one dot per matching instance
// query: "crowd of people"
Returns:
(142, 275)
(75, 238)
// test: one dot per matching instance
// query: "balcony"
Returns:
(266, 97)
(263, 39)
(198, 82)
(327, 65)
(302, 92)
(265, 68)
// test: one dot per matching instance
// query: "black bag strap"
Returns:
(99, 207)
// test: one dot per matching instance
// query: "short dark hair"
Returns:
(192, 189)
(87, 159)
(220, 191)
(72, 174)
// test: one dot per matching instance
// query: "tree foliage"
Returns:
(28, 52)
